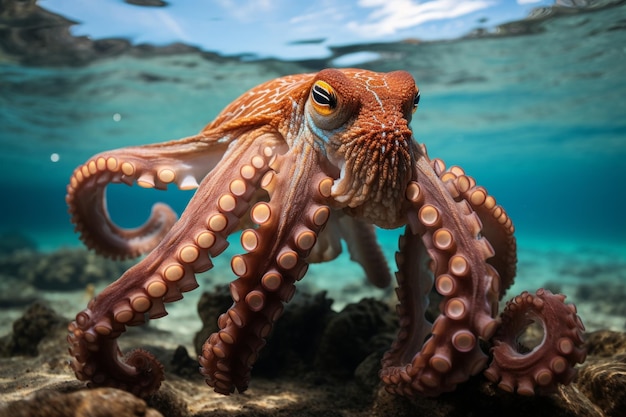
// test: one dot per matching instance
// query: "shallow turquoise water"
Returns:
(540, 120)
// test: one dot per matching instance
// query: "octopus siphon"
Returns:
(298, 165)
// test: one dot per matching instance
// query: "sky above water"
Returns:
(287, 29)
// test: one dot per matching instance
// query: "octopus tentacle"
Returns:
(328, 244)
(183, 162)
(552, 361)
(495, 224)
(360, 238)
(164, 275)
(363, 246)
(468, 284)
(275, 260)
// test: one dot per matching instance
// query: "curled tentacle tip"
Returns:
(149, 372)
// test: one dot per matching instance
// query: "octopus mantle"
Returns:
(299, 164)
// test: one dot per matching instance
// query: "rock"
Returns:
(359, 330)
(292, 345)
(38, 322)
(101, 402)
(605, 343)
(182, 364)
(65, 269)
(603, 377)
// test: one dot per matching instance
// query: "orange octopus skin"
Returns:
(304, 161)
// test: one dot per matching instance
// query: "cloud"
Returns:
(390, 16)
(527, 1)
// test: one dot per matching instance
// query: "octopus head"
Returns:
(361, 120)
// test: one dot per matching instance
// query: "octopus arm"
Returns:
(363, 246)
(493, 222)
(552, 360)
(287, 229)
(184, 162)
(168, 271)
(328, 245)
(442, 240)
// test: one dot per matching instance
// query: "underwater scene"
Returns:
(532, 107)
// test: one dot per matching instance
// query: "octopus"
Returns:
(298, 165)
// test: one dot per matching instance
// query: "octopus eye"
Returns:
(416, 101)
(323, 98)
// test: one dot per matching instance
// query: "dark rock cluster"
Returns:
(101, 402)
(39, 321)
(64, 269)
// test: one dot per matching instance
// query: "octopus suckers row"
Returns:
(456, 308)
(268, 182)
(205, 239)
(306, 240)
(112, 164)
(414, 193)
(440, 363)
(272, 281)
(227, 203)
(558, 364)
(463, 183)
(478, 197)
(320, 216)
(141, 303)
(188, 254)
(238, 265)
(174, 273)
(445, 285)
(261, 213)
(103, 328)
(429, 215)
(166, 175)
(258, 162)
(128, 169)
(156, 288)
(486, 326)
(237, 187)
(226, 338)
(250, 240)
(123, 315)
(442, 239)
(91, 168)
(565, 346)
(543, 377)
(325, 186)
(463, 340)
(287, 259)
(255, 300)
(448, 176)
(459, 265)
(247, 172)
(217, 222)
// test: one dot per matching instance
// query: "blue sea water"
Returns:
(538, 118)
